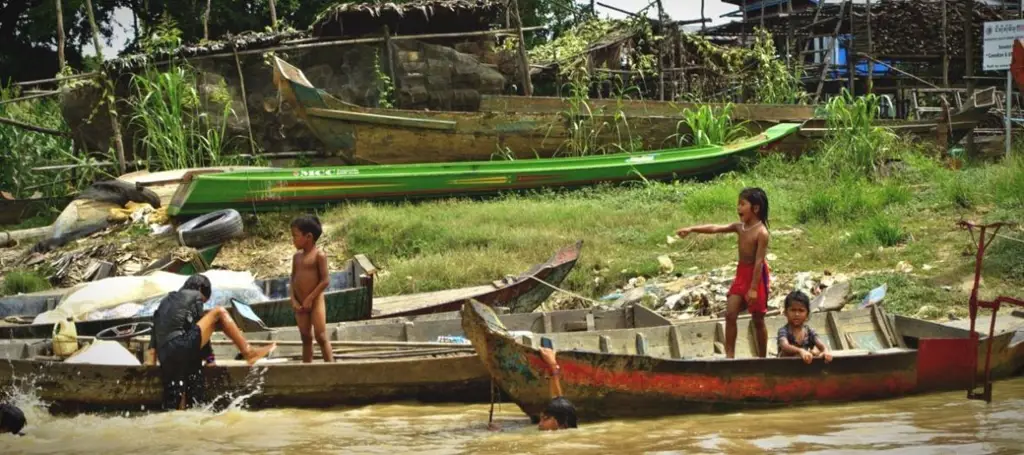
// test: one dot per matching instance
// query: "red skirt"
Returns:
(741, 285)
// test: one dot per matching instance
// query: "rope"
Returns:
(1009, 238)
(545, 283)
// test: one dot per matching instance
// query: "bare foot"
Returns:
(258, 353)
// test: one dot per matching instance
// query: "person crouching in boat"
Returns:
(797, 339)
(12, 420)
(181, 342)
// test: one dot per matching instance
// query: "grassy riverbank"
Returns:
(844, 225)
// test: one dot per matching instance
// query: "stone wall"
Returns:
(429, 77)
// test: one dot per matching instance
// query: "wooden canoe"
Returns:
(14, 211)
(275, 189)
(524, 129)
(377, 361)
(677, 369)
(349, 297)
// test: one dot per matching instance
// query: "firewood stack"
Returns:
(914, 27)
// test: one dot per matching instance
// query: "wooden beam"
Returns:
(945, 46)
(30, 127)
(60, 35)
(523, 59)
(898, 70)
(273, 16)
(111, 100)
(56, 79)
(871, 51)
(206, 21)
(661, 52)
(851, 60)
(390, 55)
(412, 122)
(30, 97)
(245, 99)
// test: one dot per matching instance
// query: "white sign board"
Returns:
(998, 38)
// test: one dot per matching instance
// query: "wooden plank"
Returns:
(378, 119)
(553, 105)
(603, 341)
(547, 323)
(591, 325)
(674, 343)
(838, 335)
(644, 317)
(641, 344)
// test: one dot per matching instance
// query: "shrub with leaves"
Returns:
(709, 126)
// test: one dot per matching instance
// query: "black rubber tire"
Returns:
(210, 229)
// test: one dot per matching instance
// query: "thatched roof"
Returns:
(600, 40)
(244, 41)
(412, 17)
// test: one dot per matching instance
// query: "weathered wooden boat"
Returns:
(30, 305)
(346, 298)
(274, 189)
(349, 297)
(945, 131)
(678, 369)
(376, 361)
(504, 125)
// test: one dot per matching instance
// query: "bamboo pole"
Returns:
(29, 97)
(206, 21)
(30, 127)
(871, 51)
(969, 56)
(112, 98)
(851, 56)
(523, 60)
(661, 53)
(245, 99)
(703, 23)
(60, 35)
(273, 16)
(945, 48)
(57, 79)
(390, 53)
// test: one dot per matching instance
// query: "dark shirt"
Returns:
(177, 312)
(810, 338)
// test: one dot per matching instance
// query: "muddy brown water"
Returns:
(938, 423)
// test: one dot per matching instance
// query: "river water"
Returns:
(939, 423)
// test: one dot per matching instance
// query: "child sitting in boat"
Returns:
(796, 339)
(309, 280)
(750, 287)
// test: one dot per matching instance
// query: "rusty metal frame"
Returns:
(976, 303)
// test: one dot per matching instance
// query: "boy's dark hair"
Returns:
(198, 283)
(12, 420)
(797, 297)
(757, 197)
(308, 224)
(563, 411)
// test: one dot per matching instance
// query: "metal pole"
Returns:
(1009, 92)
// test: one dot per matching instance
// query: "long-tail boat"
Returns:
(348, 298)
(407, 358)
(503, 126)
(678, 369)
(273, 189)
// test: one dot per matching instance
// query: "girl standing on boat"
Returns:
(750, 287)
(797, 339)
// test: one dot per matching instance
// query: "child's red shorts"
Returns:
(741, 285)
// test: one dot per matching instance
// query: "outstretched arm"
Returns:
(709, 229)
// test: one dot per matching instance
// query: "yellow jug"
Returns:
(65, 338)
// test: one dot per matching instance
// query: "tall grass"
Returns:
(709, 126)
(589, 131)
(176, 132)
(854, 146)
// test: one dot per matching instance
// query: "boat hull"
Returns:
(315, 187)
(608, 385)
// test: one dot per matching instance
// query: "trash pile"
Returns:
(705, 294)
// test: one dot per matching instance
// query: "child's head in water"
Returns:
(12, 420)
(753, 205)
(560, 414)
(797, 308)
(306, 231)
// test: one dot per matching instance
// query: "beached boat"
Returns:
(28, 306)
(393, 136)
(274, 189)
(409, 358)
(679, 369)
(347, 298)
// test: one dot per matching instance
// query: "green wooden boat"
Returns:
(275, 188)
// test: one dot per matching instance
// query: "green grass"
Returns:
(907, 294)
(23, 282)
